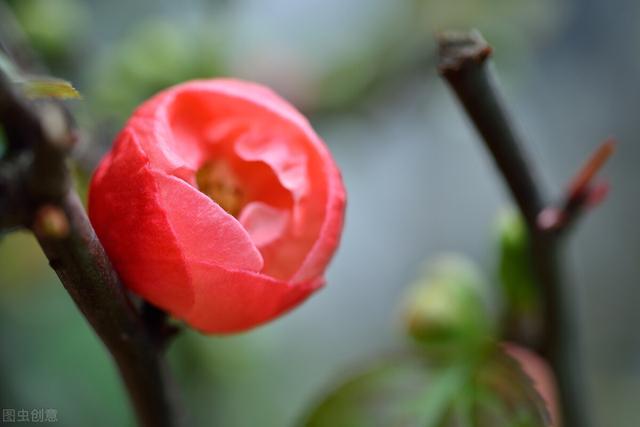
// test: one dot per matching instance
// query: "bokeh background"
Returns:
(418, 178)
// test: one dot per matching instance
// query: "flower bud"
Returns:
(448, 310)
(521, 295)
(219, 204)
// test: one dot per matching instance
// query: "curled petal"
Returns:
(125, 211)
(234, 301)
(208, 233)
(264, 223)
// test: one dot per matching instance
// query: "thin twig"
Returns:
(45, 202)
(464, 64)
(84, 269)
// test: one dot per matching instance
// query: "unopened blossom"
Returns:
(220, 204)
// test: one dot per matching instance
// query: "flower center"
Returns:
(217, 180)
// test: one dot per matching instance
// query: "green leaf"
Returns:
(504, 382)
(407, 391)
(383, 395)
(433, 406)
(48, 87)
(36, 87)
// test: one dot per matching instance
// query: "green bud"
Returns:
(515, 266)
(516, 275)
(449, 309)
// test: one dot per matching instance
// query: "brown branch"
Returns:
(42, 199)
(84, 269)
(463, 63)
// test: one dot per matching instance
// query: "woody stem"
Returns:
(36, 193)
(464, 65)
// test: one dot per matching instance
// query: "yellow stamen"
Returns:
(217, 180)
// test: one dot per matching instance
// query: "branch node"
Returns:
(460, 49)
(51, 223)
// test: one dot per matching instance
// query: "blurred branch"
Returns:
(14, 43)
(36, 192)
(464, 64)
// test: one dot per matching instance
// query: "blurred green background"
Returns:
(419, 182)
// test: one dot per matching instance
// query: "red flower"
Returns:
(220, 204)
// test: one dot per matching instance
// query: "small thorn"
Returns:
(582, 193)
(597, 194)
(594, 163)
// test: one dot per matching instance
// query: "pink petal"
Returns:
(203, 230)
(233, 301)
(124, 210)
(263, 222)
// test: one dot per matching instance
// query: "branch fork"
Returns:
(463, 64)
